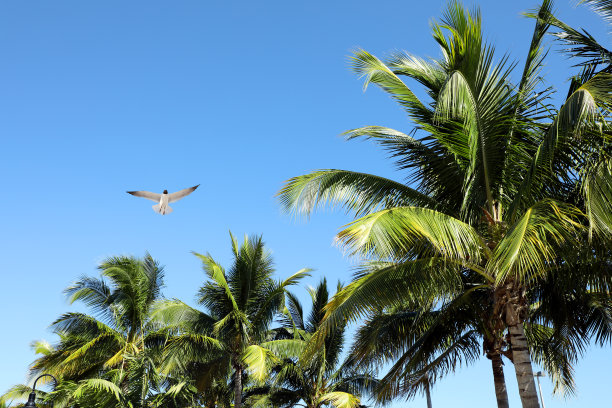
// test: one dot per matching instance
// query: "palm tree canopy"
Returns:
(320, 381)
(500, 183)
(108, 358)
(232, 334)
(121, 302)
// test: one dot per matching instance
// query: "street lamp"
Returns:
(32, 398)
(537, 376)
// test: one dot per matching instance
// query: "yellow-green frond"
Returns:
(259, 362)
(340, 399)
(531, 243)
(398, 232)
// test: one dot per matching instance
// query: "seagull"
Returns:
(164, 198)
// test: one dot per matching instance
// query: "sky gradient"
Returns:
(100, 97)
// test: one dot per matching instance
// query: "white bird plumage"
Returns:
(164, 198)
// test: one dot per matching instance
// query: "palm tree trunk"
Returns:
(499, 380)
(522, 366)
(238, 386)
(428, 394)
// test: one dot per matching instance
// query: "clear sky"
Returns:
(100, 97)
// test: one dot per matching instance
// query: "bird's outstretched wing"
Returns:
(146, 194)
(180, 194)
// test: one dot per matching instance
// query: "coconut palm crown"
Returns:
(110, 356)
(223, 346)
(498, 182)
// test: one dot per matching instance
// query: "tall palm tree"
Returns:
(241, 303)
(116, 349)
(487, 176)
(121, 325)
(423, 345)
(321, 381)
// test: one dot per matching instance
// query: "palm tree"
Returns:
(93, 392)
(214, 347)
(424, 345)
(320, 381)
(116, 350)
(488, 172)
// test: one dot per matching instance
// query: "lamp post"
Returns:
(32, 398)
(537, 376)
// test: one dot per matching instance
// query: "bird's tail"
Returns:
(157, 209)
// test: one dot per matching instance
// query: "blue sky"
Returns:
(101, 97)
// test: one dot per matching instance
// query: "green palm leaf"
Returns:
(340, 399)
(259, 361)
(597, 191)
(582, 111)
(428, 73)
(359, 193)
(217, 274)
(375, 71)
(402, 377)
(601, 7)
(533, 241)
(429, 160)
(99, 385)
(398, 232)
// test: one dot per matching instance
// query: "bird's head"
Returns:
(165, 191)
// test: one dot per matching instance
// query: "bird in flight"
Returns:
(164, 198)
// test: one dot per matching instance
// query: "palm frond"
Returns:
(358, 193)
(583, 110)
(98, 385)
(189, 348)
(294, 316)
(285, 348)
(219, 293)
(556, 354)
(433, 162)
(339, 399)
(42, 347)
(376, 72)
(533, 240)
(601, 7)
(175, 313)
(384, 285)
(403, 379)
(597, 192)
(428, 73)
(259, 361)
(94, 292)
(398, 232)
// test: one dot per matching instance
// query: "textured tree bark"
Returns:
(522, 366)
(499, 381)
(238, 386)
